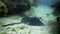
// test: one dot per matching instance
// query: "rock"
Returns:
(56, 7)
(17, 6)
(3, 9)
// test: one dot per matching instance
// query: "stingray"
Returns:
(32, 21)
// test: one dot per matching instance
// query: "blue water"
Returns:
(46, 2)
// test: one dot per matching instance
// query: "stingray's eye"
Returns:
(32, 21)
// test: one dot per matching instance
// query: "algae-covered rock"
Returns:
(3, 9)
(17, 6)
(56, 7)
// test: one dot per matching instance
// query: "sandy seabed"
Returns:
(26, 29)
